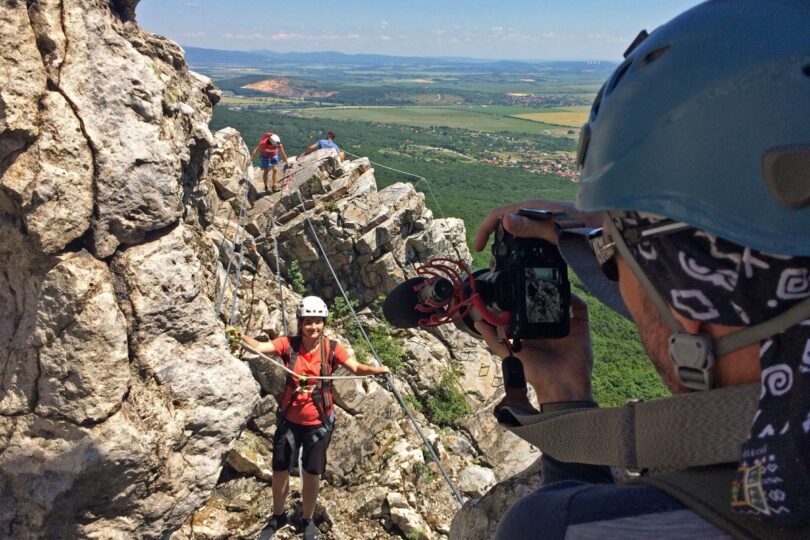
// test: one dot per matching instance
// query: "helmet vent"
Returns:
(652, 56)
(584, 140)
(596, 103)
(618, 76)
(636, 42)
(787, 175)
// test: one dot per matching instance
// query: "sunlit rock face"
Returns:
(118, 395)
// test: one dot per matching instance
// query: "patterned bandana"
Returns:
(706, 278)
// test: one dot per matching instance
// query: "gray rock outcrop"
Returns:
(118, 397)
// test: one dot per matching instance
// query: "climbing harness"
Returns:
(321, 390)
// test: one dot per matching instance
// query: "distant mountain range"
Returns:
(196, 56)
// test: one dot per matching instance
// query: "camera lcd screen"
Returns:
(543, 298)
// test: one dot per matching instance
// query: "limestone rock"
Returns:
(238, 508)
(264, 416)
(82, 339)
(47, 172)
(251, 455)
(507, 453)
(60, 203)
(227, 162)
(410, 522)
(22, 85)
(476, 480)
(478, 518)
(118, 397)
(129, 88)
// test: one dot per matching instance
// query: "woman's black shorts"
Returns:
(289, 437)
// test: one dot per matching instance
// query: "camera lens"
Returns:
(442, 290)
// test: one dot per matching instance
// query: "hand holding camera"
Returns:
(524, 296)
(558, 369)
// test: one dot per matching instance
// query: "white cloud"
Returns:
(288, 36)
(385, 38)
(245, 37)
(384, 24)
(517, 37)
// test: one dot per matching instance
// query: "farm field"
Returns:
(247, 101)
(570, 117)
(458, 117)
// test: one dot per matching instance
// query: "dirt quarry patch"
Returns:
(280, 87)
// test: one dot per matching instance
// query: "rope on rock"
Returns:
(421, 179)
(388, 378)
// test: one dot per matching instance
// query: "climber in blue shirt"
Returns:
(328, 142)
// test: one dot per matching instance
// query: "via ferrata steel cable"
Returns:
(421, 179)
(237, 238)
(388, 377)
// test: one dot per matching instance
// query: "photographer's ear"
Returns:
(524, 227)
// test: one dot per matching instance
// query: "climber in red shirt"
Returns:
(306, 409)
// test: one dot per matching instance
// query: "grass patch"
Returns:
(446, 403)
(382, 335)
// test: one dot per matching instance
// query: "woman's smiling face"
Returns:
(312, 327)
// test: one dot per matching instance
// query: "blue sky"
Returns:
(510, 29)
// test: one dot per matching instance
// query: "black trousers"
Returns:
(290, 437)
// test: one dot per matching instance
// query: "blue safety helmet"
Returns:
(707, 121)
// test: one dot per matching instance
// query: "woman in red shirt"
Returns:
(305, 417)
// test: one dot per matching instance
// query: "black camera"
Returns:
(526, 289)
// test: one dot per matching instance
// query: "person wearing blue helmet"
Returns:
(693, 219)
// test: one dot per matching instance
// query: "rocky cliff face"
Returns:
(122, 411)
(118, 395)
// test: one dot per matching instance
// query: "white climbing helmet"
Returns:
(312, 306)
(275, 139)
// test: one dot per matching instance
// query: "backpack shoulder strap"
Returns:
(330, 362)
(687, 430)
(289, 357)
(707, 492)
(322, 396)
(292, 354)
